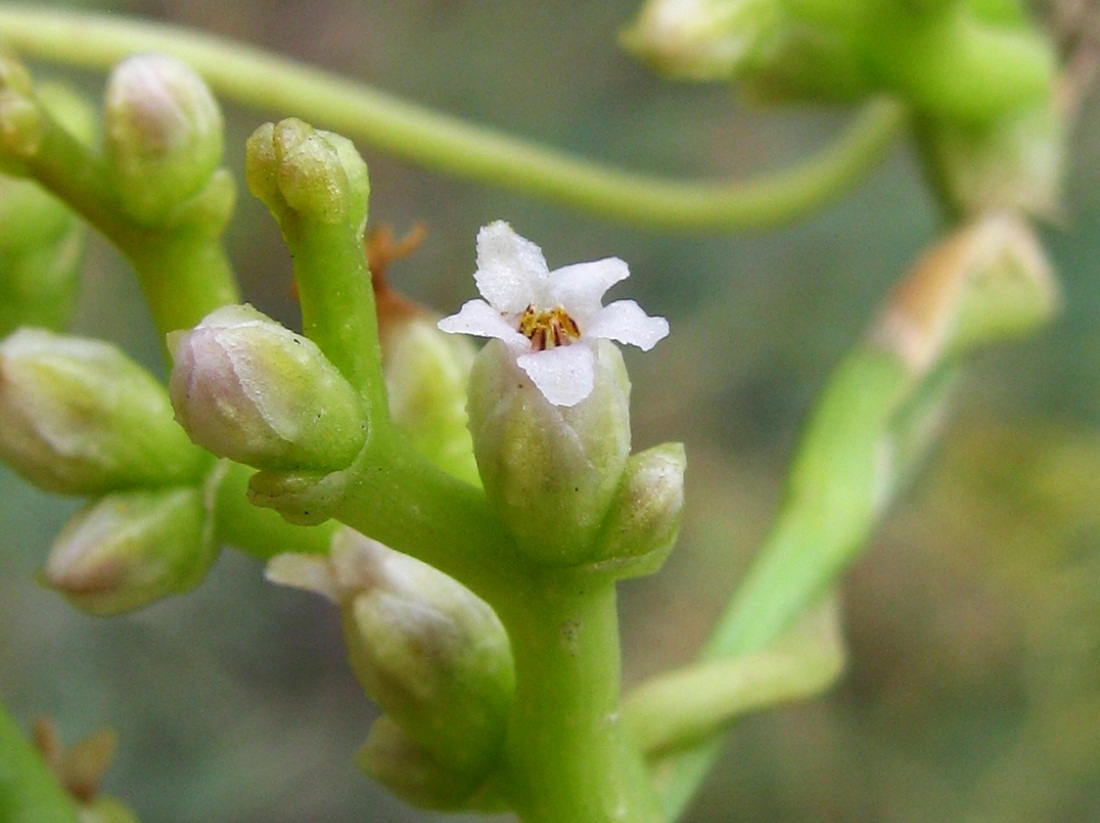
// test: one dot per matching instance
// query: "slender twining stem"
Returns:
(458, 147)
(687, 706)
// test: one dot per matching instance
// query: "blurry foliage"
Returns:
(974, 620)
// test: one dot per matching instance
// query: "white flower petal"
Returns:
(625, 322)
(478, 318)
(580, 288)
(564, 374)
(511, 271)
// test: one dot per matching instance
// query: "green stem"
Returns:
(29, 791)
(567, 753)
(457, 147)
(338, 312)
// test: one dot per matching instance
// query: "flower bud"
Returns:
(79, 417)
(164, 135)
(21, 126)
(550, 471)
(989, 281)
(247, 388)
(130, 549)
(427, 650)
(1012, 164)
(38, 286)
(426, 373)
(394, 759)
(29, 215)
(645, 517)
(702, 39)
(304, 173)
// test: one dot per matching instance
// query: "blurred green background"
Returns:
(973, 692)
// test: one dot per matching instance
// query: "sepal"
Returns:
(645, 517)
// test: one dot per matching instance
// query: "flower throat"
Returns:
(548, 329)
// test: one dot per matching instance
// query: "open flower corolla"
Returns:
(551, 320)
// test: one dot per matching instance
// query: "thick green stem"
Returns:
(184, 276)
(567, 753)
(458, 147)
(338, 313)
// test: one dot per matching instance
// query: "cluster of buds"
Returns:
(979, 76)
(431, 654)
(79, 417)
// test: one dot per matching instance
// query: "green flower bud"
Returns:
(21, 125)
(427, 650)
(1013, 164)
(394, 759)
(130, 549)
(38, 286)
(164, 136)
(989, 281)
(703, 39)
(550, 471)
(79, 417)
(303, 173)
(29, 215)
(426, 373)
(645, 518)
(247, 388)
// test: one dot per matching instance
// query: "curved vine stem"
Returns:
(460, 148)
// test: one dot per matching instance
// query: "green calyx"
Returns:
(551, 472)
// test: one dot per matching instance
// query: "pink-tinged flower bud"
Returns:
(131, 549)
(247, 388)
(163, 136)
(432, 654)
(645, 517)
(78, 416)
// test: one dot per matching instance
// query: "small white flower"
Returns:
(550, 319)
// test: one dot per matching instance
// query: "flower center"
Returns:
(547, 329)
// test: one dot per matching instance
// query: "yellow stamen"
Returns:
(548, 329)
